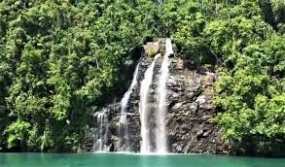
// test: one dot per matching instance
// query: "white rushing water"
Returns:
(160, 132)
(124, 129)
(126, 97)
(144, 107)
(102, 121)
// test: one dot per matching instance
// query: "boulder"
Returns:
(151, 48)
(179, 64)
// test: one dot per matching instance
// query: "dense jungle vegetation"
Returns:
(59, 58)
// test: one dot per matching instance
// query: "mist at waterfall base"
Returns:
(125, 160)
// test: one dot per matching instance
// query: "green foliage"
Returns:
(60, 58)
(244, 41)
(18, 131)
(252, 93)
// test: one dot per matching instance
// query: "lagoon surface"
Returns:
(132, 160)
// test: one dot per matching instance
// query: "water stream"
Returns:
(160, 132)
(124, 129)
(102, 121)
(144, 107)
(153, 126)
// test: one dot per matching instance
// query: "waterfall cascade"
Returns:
(160, 132)
(152, 109)
(124, 130)
(160, 136)
(102, 121)
(158, 105)
(144, 107)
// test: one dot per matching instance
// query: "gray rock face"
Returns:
(189, 119)
(189, 116)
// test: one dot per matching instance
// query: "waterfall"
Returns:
(102, 121)
(152, 115)
(143, 107)
(124, 130)
(160, 132)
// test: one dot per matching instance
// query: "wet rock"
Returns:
(179, 65)
(207, 133)
(200, 132)
(193, 107)
(177, 106)
(190, 95)
(175, 95)
(201, 100)
(179, 148)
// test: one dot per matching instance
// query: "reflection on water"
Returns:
(132, 160)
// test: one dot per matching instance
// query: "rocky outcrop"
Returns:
(190, 111)
(151, 48)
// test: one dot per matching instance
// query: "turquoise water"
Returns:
(124, 160)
